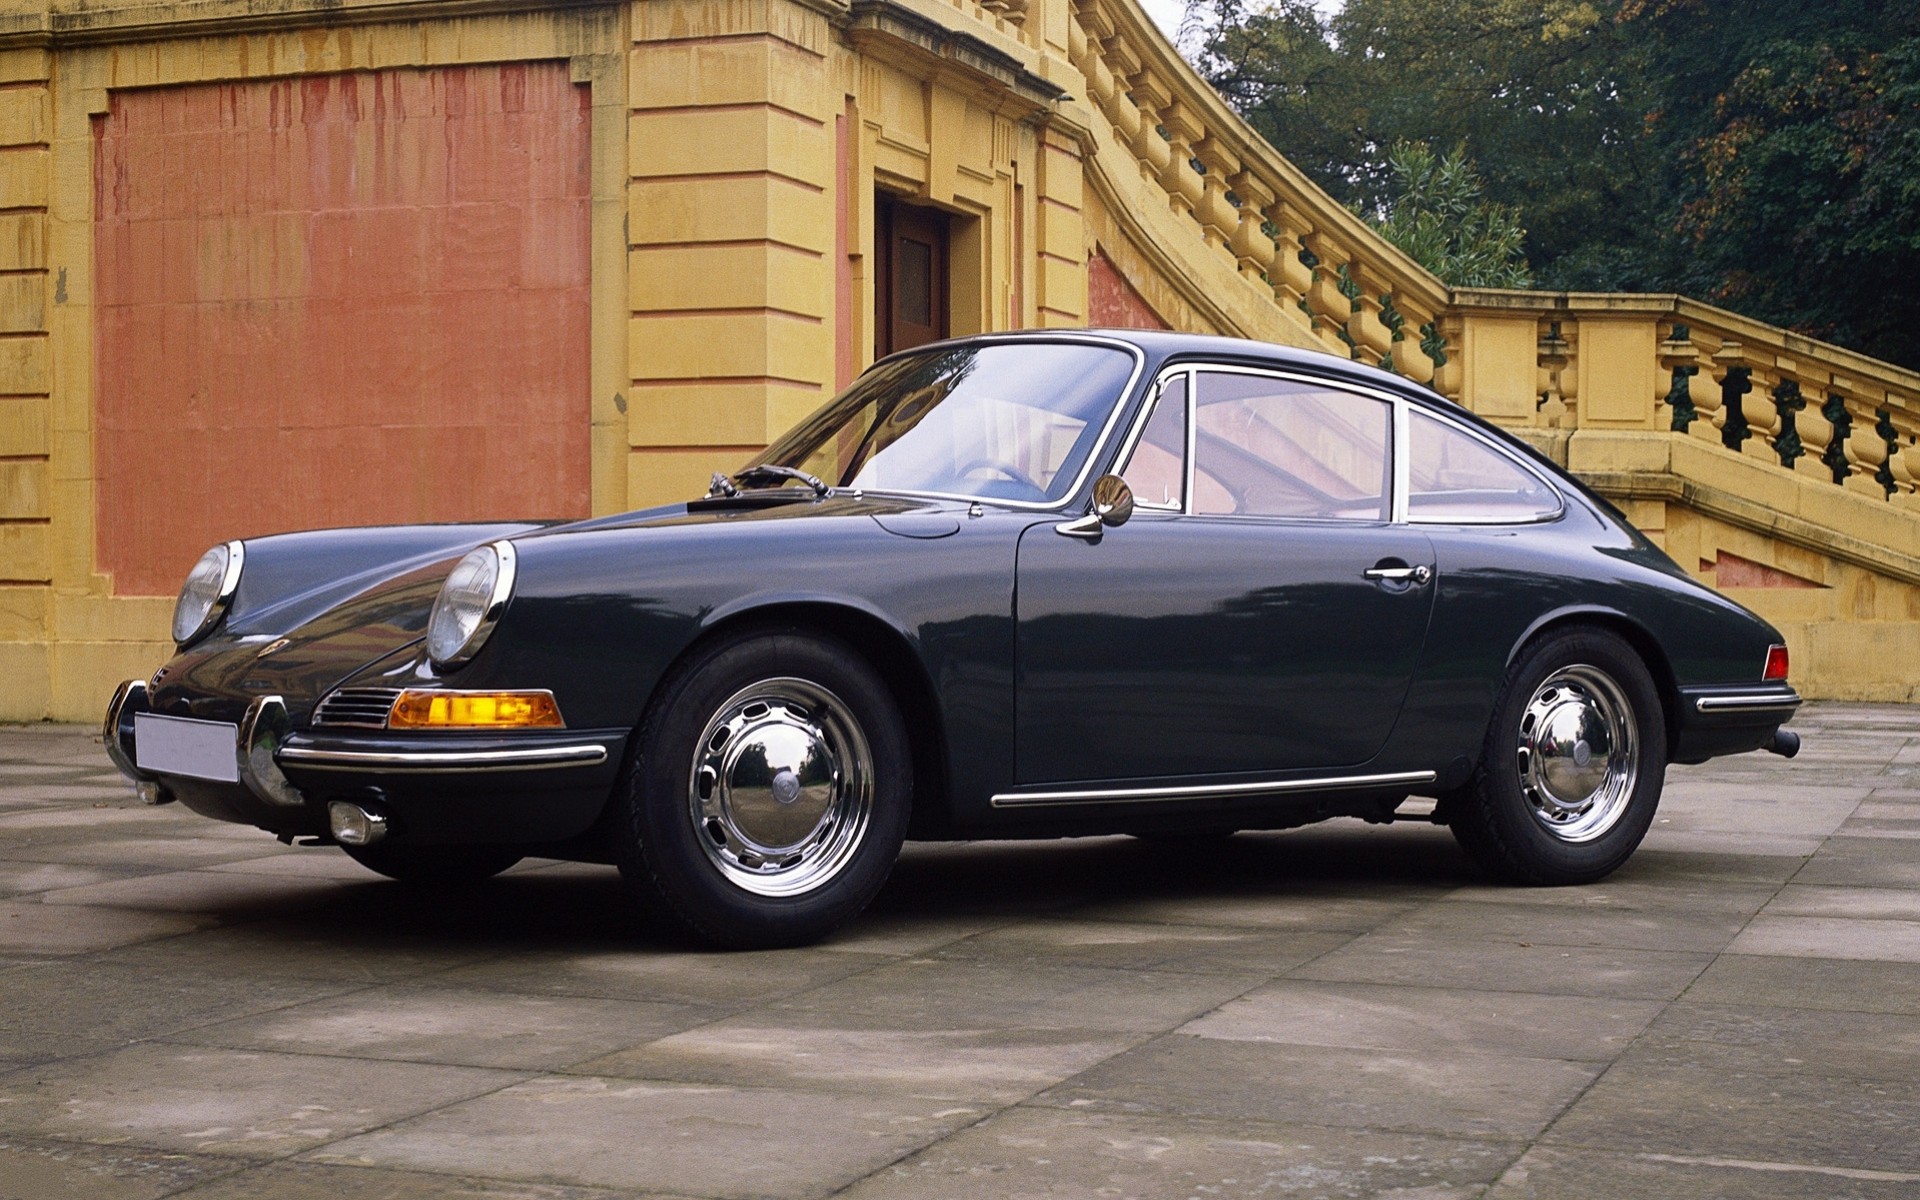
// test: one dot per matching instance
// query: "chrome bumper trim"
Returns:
(1748, 702)
(263, 731)
(429, 762)
(1209, 791)
(129, 698)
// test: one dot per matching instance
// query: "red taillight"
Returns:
(1776, 667)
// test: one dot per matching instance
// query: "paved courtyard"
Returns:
(190, 1009)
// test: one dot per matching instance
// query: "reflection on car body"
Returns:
(1018, 585)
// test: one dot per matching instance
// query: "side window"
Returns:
(1157, 468)
(1281, 448)
(1454, 476)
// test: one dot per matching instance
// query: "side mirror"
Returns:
(1112, 505)
(1112, 500)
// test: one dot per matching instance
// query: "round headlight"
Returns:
(207, 592)
(469, 604)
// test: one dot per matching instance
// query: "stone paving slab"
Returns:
(191, 1009)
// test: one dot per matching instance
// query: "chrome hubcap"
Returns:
(1577, 757)
(782, 787)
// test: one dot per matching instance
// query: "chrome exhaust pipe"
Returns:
(355, 824)
(1785, 743)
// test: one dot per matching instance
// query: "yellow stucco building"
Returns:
(279, 263)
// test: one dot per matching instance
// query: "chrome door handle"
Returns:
(1415, 575)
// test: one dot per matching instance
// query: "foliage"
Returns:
(1541, 96)
(1796, 190)
(1438, 213)
(1763, 156)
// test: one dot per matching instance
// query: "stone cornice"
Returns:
(942, 47)
(56, 25)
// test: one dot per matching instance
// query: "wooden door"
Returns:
(910, 296)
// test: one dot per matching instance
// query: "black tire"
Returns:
(435, 865)
(770, 794)
(1527, 815)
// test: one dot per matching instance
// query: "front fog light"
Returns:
(355, 825)
(208, 591)
(469, 604)
(416, 709)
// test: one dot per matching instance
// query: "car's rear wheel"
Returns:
(429, 865)
(1573, 764)
(770, 795)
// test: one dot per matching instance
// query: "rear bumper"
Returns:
(526, 788)
(1729, 719)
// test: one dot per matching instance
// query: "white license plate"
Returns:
(179, 746)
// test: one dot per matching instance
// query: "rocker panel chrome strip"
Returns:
(1266, 787)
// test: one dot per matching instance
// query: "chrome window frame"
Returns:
(1560, 499)
(1400, 427)
(1094, 453)
(1124, 457)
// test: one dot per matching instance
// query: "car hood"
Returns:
(302, 643)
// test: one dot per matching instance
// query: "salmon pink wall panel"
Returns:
(1111, 301)
(338, 300)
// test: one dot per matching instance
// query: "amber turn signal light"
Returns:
(474, 710)
(1776, 667)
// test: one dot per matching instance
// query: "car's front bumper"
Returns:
(533, 786)
(1729, 719)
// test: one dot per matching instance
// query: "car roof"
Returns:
(1161, 345)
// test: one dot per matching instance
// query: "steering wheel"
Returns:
(1011, 474)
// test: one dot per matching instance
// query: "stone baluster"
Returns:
(1903, 455)
(1219, 219)
(1762, 419)
(1410, 357)
(1327, 302)
(1254, 251)
(1906, 471)
(1554, 353)
(1813, 431)
(1450, 380)
(1890, 437)
(1183, 184)
(1366, 323)
(1015, 13)
(1736, 380)
(1155, 154)
(1839, 418)
(1436, 335)
(1866, 446)
(1679, 358)
(1289, 274)
(1788, 403)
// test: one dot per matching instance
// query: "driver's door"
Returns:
(1261, 612)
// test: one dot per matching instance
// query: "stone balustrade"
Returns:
(1666, 362)
(1359, 296)
(1531, 360)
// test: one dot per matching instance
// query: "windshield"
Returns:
(999, 421)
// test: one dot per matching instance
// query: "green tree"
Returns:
(1546, 99)
(1794, 142)
(1765, 156)
(1437, 211)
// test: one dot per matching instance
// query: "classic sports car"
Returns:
(1021, 585)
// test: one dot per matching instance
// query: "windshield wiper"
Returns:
(773, 471)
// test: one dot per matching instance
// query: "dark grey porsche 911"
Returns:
(1010, 586)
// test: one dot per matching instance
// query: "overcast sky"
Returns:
(1167, 13)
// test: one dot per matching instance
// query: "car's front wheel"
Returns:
(770, 795)
(1572, 767)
